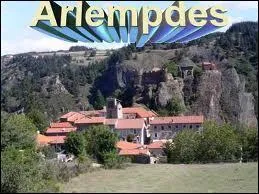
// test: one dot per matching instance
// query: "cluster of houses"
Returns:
(142, 132)
(146, 130)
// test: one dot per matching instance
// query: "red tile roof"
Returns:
(91, 112)
(60, 130)
(69, 114)
(45, 140)
(130, 124)
(75, 117)
(110, 121)
(178, 119)
(91, 120)
(140, 111)
(61, 125)
(156, 145)
(133, 152)
(42, 139)
(127, 145)
(56, 139)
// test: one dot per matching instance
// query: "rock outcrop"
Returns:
(221, 97)
(208, 95)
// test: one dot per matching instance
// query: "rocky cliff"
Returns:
(147, 76)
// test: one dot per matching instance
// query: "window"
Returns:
(176, 126)
(197, 126)
(156, 135)
(184, 126)
(169, 126)
(190, 126)
(135, 131)
(162, 127)
(154, 127)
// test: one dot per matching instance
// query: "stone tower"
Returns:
(113, 109)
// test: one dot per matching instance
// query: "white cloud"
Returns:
(48, 44)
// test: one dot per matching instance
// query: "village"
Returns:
(142, 132)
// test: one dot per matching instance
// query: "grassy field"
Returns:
(169, 178)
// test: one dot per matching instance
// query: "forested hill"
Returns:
(80, 79)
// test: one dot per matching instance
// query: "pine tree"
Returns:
(99, 100)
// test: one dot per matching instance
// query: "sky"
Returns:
(17, 36)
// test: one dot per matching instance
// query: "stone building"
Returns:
(208, 66)
(113, 109)
(167, 127)
(186, 67)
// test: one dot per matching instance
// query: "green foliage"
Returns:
(113, 160)
(172, 68)
(173, 108)
(21, 172)
(197, 71)
(219, 143)
(18, 131)
(100, 140)
(84, 164)
(216, 143)
(249, 140)
(130, 138)
(38, 119)
(74, 143)
(48, 151)
(99, 100)
(184, 147)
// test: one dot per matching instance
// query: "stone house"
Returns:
(186, 67)
(167, 127)
(208, 66)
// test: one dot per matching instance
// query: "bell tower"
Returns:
(114, 109)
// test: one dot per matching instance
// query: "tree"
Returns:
(38, 119)
(174, 107)
(184, 147)
(74, 143)
(218, 143)
(99, 100)
(100, 140)
(19, 132)
(21, 172)
(172, 68)
(249, 141)
(113, 160)
(48, 151)
(130, 138)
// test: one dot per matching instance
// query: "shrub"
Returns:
(184, 148)
(18, 131)
(249, 141)
(218, 143)
(174, 107)
(172, 68)
(100, 140)
(21, 171)
(39, 119)
(84, 164)
(74, 143)
(48, 151)
(113, 160)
